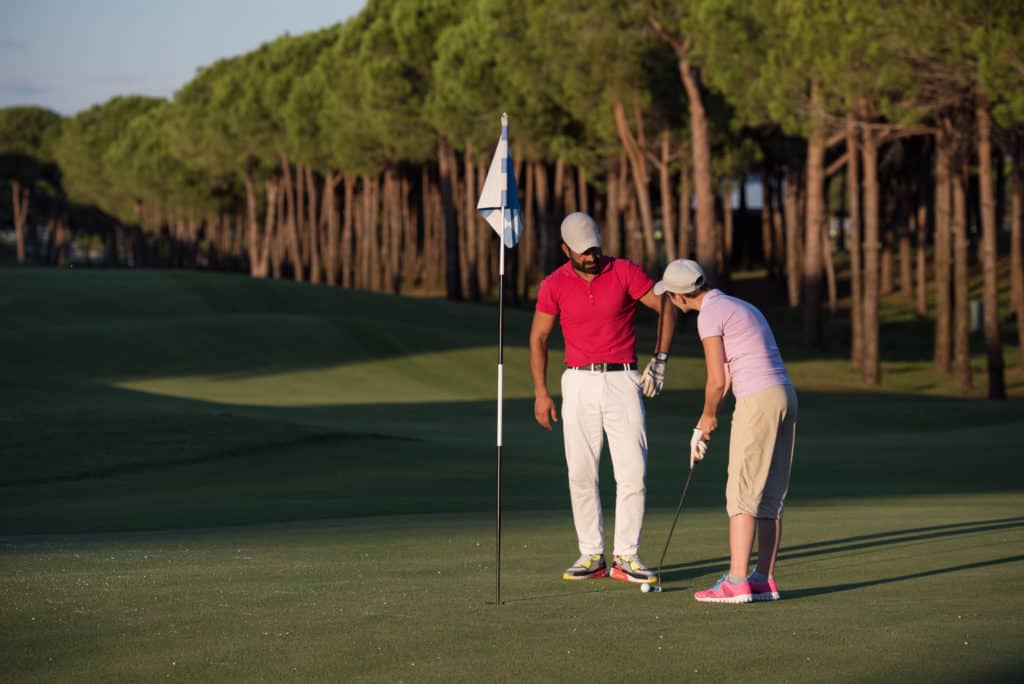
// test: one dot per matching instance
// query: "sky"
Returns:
(68, 55)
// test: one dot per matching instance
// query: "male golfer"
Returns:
(738, 343)
(594, 296)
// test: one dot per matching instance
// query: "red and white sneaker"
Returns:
(723, 592)
(632, 569)
(764, 591)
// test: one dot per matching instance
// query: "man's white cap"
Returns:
(683, 276)
(580, 232)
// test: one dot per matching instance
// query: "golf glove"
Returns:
(698, 447)
(653, 377)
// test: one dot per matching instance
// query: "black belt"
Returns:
(602, 367)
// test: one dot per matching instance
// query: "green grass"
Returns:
(211, 477)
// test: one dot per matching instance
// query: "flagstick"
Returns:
(501, 354)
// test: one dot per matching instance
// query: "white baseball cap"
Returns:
(683, 276)
(580, 232)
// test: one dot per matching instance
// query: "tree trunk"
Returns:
(778, 226)
(641, 182)
(612, 226)
(830, 266)
(989, 263)
(700, 140)
(453, 278)
(279, 239)
(392, 258)
(634, 233)
(921, 284)
(549, 233)
(871, 367)
(886, 265)
(567, 191)
(702, 172)
(856, 249)
(254, 240)
(581, 190)
(412, 261)
(347, 255)
(729, 230)
(527, 261)
(270, 232)
(767, 200)
(373, 232)
(290, 200)
(329, 214)
(813, 264)
(485, 239)
(906, 265)
(683, 244)
(793, 237)
(19, 204)
(961, 305)
(432, 250)
(943, 254)
(470, 284)
(668, 218)
(314, 228)
(1017, 243)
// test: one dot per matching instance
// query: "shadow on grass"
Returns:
(817, 591)
(685, 571)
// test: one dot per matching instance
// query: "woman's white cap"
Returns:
(684, 276)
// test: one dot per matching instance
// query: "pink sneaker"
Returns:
(723, 592)
(764, 591)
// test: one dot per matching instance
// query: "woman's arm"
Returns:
(717, 384)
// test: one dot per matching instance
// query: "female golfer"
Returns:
(739, 346)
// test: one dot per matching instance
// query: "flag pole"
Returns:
(499, 206)
(501, 354)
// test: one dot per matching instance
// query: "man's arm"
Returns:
(543, 405)
(717, 384)
(667, 315)
(653, 377)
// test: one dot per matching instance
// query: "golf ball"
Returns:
(645, 588)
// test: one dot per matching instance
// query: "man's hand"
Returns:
(544, 411)
(698, 447)
(653, 378)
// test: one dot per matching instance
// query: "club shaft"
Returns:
(675, 519)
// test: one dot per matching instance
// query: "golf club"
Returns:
(657, 587)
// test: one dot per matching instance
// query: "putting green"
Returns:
(915, 590)
(211, 477)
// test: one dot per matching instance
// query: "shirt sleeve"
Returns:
(710, 323)
(546, 302)
(639, 282)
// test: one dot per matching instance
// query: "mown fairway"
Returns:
(208, 477)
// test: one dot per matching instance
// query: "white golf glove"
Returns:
(653, 378)
(698, 447)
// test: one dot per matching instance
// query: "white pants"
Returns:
(595, 404)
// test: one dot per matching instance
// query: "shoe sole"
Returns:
(766, 596)
(739, 598)
(598, 574)
(623, 576)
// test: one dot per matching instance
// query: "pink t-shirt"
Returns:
(750, 351)
(596, 316)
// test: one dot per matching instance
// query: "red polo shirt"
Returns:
(596, 316)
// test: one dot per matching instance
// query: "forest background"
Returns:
(886, 141)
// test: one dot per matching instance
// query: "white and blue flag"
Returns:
(499, 201)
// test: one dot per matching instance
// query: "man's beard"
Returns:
(585, 268)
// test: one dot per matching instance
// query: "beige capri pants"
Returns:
(761, 452)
